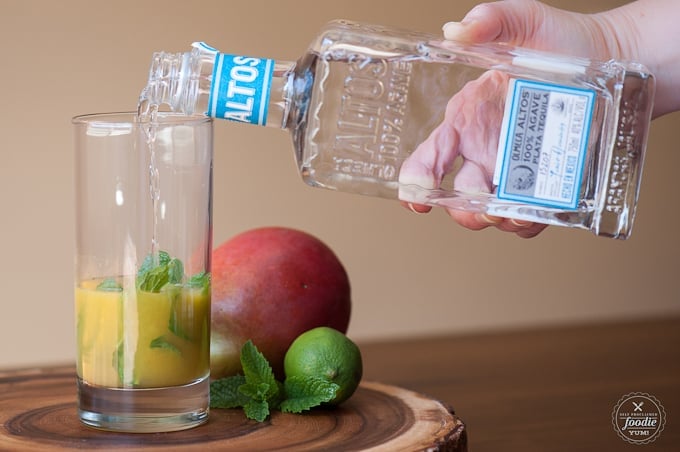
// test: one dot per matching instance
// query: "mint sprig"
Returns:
(260, 386)
(150, 263)
(306, 393)
(258, 392)
(156, 273)
(224, 392)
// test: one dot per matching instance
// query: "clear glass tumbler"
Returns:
(142, 268)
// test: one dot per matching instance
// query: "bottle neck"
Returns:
(180, 81)
(249, 90)
(281, 95)
(242, 89)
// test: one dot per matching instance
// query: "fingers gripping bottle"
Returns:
(403, 115)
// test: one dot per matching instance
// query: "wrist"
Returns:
(644, 31)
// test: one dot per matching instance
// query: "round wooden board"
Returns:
(38, 412)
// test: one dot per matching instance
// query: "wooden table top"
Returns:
(547, 389)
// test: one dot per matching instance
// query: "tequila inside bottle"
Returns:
(396, 114)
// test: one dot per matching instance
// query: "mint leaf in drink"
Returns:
(119, 364)
(175, 323)
(224, 392)
(304, 393)
(200, 281)
(162, 342)
(152, 277)
(175, 271)
(118, 361)
(150, 263)
(109, 285)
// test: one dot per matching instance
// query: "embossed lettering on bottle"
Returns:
(371, 119)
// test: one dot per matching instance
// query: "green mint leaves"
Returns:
(258, 392)
(152, 276)
(110, 285)
(200, 281)
(255, 391)
(162, 342)
(155, 273)
(306, 393)
(224, 392)
(161, 273)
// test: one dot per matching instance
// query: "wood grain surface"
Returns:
(543, 389)
(38, 412)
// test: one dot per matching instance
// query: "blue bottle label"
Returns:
(543, 143)
(240, 88)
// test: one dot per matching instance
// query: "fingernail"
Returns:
(451, 24)
(412, 209)
(453, 29)
(486, 219)
(519, 223)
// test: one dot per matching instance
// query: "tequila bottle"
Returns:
(491, 128)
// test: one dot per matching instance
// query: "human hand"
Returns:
(526, 23)
(532, 24)
(637, 31)
(469, 133)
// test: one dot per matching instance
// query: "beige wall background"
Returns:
(412, 275)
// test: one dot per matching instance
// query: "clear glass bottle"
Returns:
(403, 115)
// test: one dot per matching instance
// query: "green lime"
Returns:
(326, 353)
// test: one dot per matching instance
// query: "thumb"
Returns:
(512, 21)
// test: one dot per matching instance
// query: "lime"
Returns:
(326, 353)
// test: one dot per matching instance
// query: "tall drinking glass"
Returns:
(142, 267)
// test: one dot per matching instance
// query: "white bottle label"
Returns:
(240, 88)
(543, 143)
